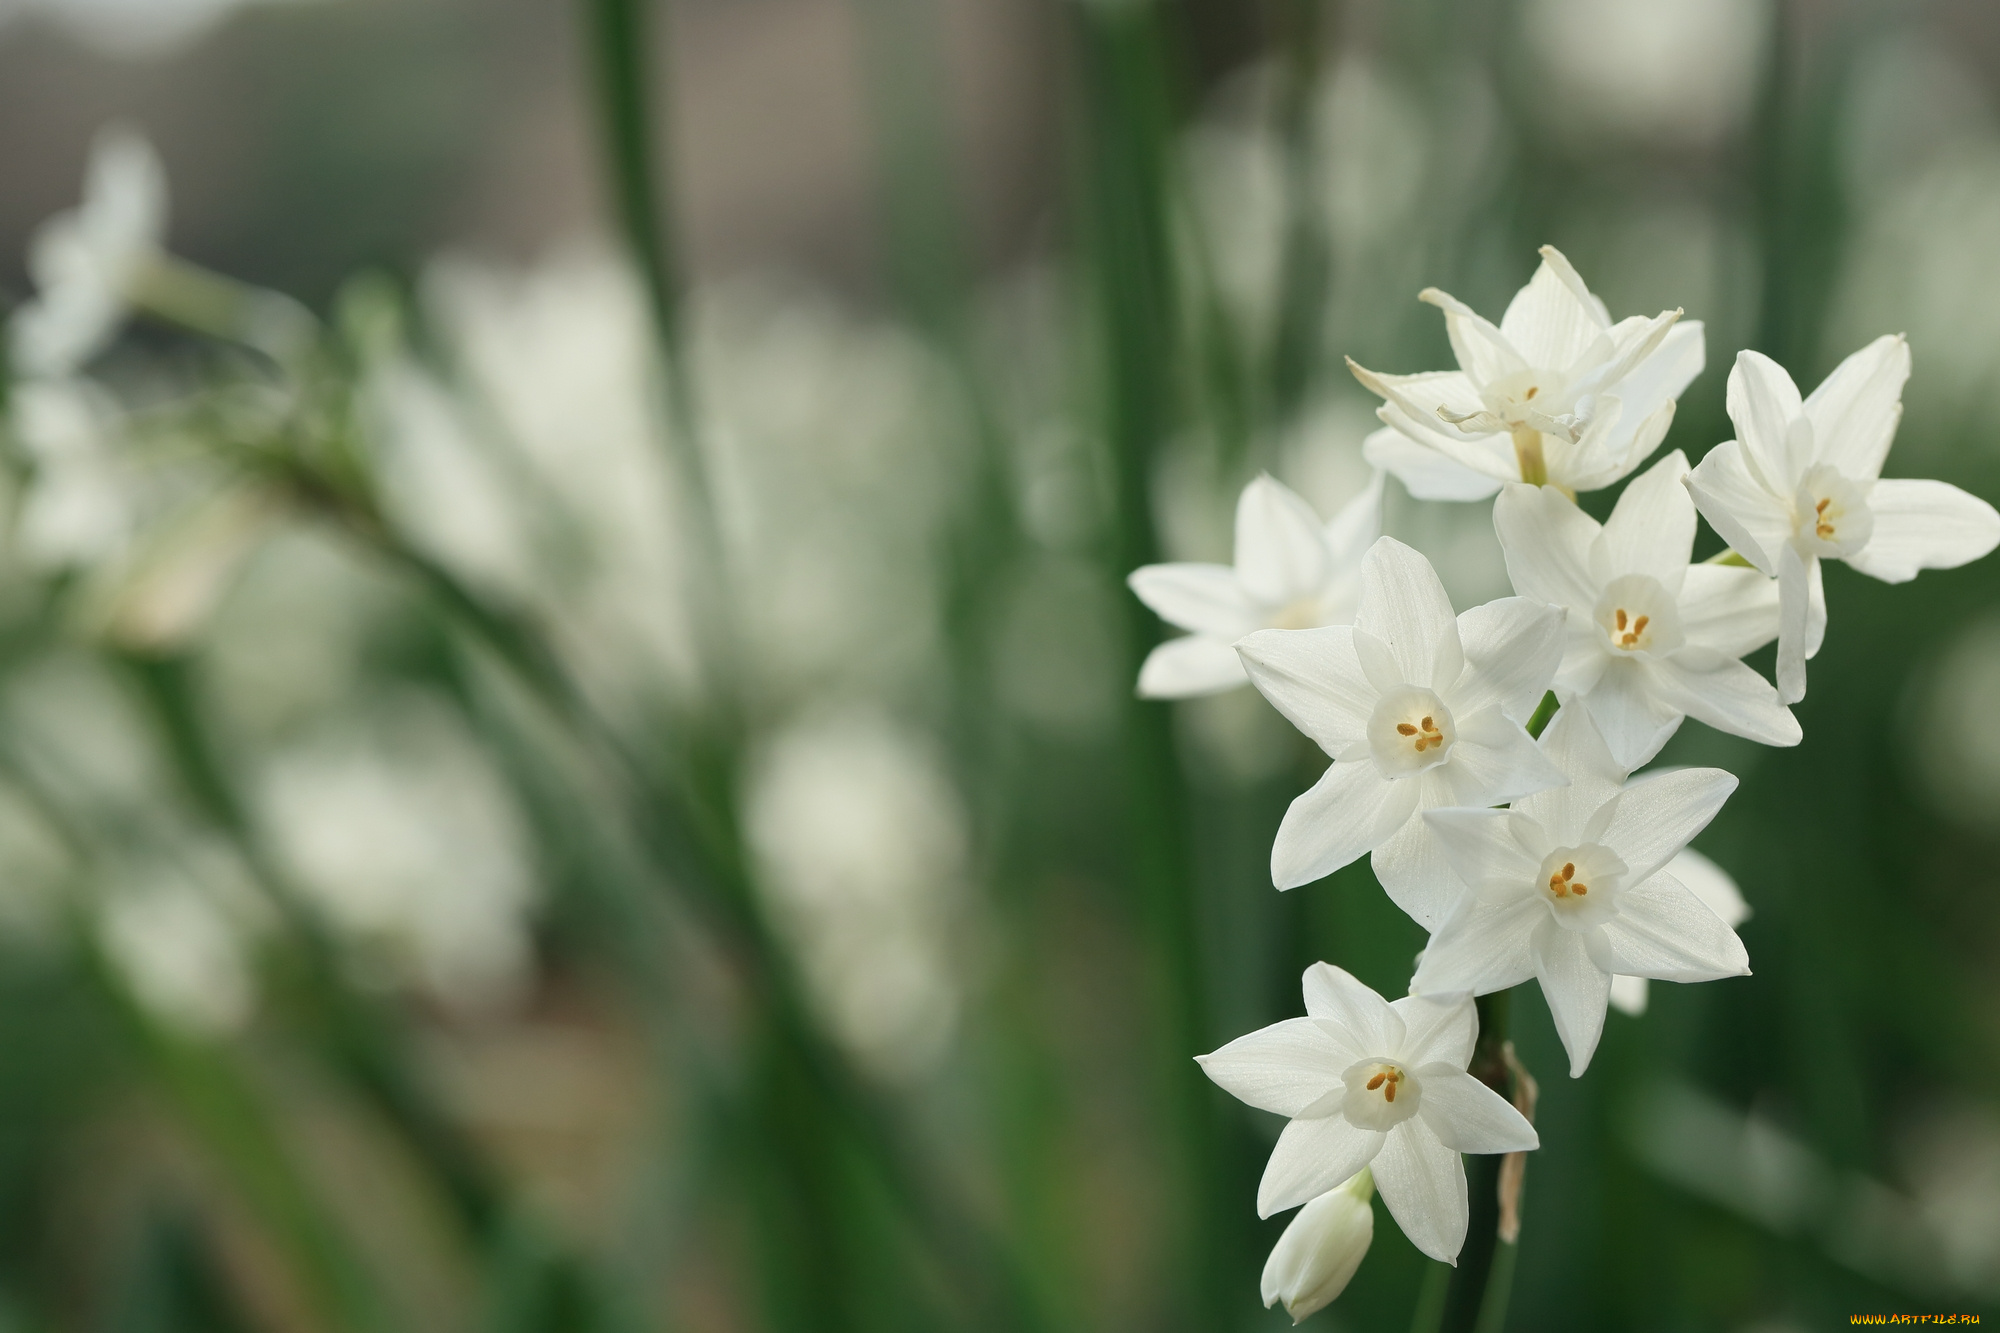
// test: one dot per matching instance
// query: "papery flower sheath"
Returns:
(1557, 394)
(1418, 709)
(1803, 482)
(1652, 639)
(85, 262)
(1570, 887)
(1291, 572)
(1370, 1083)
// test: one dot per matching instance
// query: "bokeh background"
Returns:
(466, 866)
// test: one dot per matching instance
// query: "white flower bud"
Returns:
(1315, 1258)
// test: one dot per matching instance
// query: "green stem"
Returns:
(1466, 1297)
(1544, 710)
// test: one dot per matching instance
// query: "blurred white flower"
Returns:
(79, 505)
(1315, 1259)
(400, 832)
(1718, 893)
(130, 29)
(1570, 887)
(1652, 639)
(1371, 1083)
(1556, 395)
(1802, 482)
(1418, 709)
(860, 841)
(1682, 71)
(181, 952)
(86, 262)
(1291, 572)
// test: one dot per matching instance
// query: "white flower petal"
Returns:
(1631, 714)
(1712, 884)
(1187, 667)
(1483, 850)
(1552, 321)
(1313, 677)
(1336, 997)
(1414, 873)
(1423, 1184)
(1280, 553)
(1350, 811)
(1794, 609)
(1483, 948)
(1483, 352)
(1728, 608)
(1815, 612)
(1755, 521)
(1763, 402)
(1855, 410)
(1315, 1259)
(1576, 989)
(1576, 748)
(1493, 761)
(1311, 1158)
(1651, 530)
(1664, 932)
(1513, 646)
(1351, 531)
(1547, 541)
(1425, 472)
(1286, 1067)
(1436, 1030)
(1206, 599)
(1659, 813)
(1726, 695)
(1468, 1116)
(1404, 605)
(1661, 378)
(1924, 525)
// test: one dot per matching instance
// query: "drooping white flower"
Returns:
(86, 261)
(1369, 1083)
(1718, 893)
(1557, 395)
(1418, 710)
(1315, 1259)
(1570, 887)
(1291, 572)
(1652, 639)
(1802, 482)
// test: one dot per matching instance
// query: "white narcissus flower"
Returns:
(1369, 1083)
(1557, 395)
(1652, 639)
(1291, 572)
(1717, 891)
(1570, 887)
(1418, 710)
(1315, 1259)
(1802, 482)
(86, 262)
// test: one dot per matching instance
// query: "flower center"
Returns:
(1580, 884)
(1380, 1094)
(1638, 615)
(1410, 731)
(1301, 614)
(1831, 514)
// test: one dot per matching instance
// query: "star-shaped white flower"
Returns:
(1418, 709)
(1315, 1259)
(1291, 572)
(1557, 395)
(1652, 639)
(1801, 483)
(1570, 887)
(1368, 1083)
(1718, 893)
(86, 261)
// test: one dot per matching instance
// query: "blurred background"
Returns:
(607, 793)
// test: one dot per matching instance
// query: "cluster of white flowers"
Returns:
(1526, 857)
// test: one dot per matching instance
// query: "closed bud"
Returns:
(1316, 1257)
